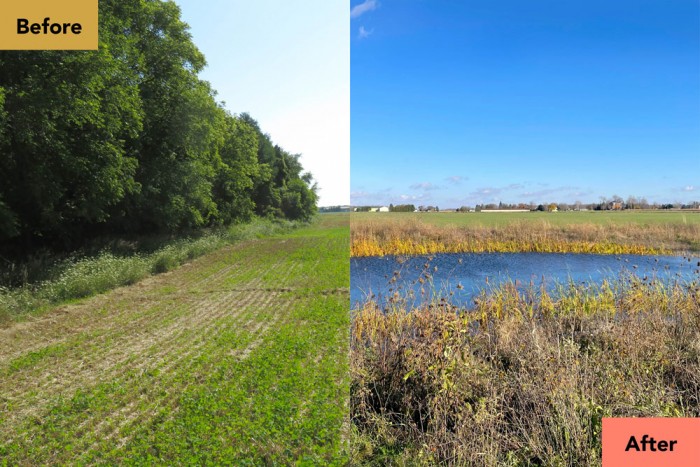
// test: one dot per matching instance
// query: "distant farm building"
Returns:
(383, 209)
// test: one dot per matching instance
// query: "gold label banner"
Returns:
(48, 25)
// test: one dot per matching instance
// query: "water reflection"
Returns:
(463, 275)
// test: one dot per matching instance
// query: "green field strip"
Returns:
(122, 317)
(85, 350)
(497, 219)
(275, 406)
(253, 342)
(143, 385)
(122, 355)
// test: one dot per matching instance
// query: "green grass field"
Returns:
(497, 219)
(237, 358)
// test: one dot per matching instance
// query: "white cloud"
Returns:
(364, 33)
(426, 186)
(456, 179)
(362, 8)
(494, 190)
(551, 191)
(421, 197)
(689, 188)
(370, 196)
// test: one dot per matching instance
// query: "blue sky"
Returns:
(477, 101)
(288, 65)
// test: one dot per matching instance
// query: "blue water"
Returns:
(466, 274)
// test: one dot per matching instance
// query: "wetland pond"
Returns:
(474, 272)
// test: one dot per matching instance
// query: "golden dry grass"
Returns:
(413, 235)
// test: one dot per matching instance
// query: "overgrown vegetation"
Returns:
(408, 234)
(523, 377)
(42, 281)
(239, 358)
(128, 139)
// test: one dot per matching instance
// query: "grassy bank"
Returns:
(46, 280)
(376, 234)
(239, 357)
(524, 377)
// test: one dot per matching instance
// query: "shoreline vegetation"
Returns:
(521, 377)
(378, 234)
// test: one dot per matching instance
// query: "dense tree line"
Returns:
(128, 139)
(402, 208)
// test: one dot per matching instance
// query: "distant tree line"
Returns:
(128, 139)
(605, 204)
(402, 208)
(338, 208)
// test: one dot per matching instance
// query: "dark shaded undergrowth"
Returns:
(47, 278)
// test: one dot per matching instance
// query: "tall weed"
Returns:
(522, 377)
(44, 279)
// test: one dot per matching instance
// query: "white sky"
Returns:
(288, 65)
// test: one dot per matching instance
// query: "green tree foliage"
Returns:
(128, 138)
(403, 208)
(63, 155)
(239, 171)
(281, 190)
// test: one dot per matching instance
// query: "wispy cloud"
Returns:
(487, 194)
(385, 196)
(487, 191)
(494, 190)
(362, 8)
(690, 188)
(425, 186)
(578, 194)
(364, 33)
(369, 196)
(551, 191)
(456, 179)
(421, 197)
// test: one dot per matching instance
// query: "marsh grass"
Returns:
(413, 236)
(524, 377)
(45, 279)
